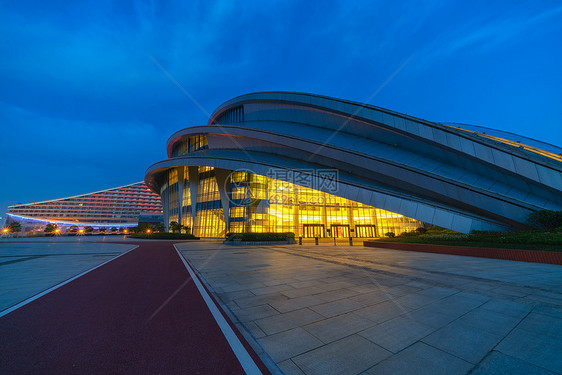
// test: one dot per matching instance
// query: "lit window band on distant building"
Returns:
(116, 207)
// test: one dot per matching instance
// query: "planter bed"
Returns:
(533, 256)
(159, 237)
(257, 243)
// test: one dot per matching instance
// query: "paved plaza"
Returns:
(339, 309)
(354, 310)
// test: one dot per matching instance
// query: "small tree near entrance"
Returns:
(175, 226)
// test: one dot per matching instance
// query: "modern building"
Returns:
(319, 166)
(116, 207)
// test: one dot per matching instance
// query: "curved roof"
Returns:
(421, 169)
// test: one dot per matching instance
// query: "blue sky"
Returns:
(83, 106)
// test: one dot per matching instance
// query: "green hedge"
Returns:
(532, 240)
(164, 236)
(260, 236)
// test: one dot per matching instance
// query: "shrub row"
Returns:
(164, 236)
(259, 236)
(528, 237)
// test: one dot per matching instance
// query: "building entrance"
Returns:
(313, 230)
(340, 230)
(365, 230)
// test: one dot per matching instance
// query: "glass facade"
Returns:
(263, 204)
(190, 144)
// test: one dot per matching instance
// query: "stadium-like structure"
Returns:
(319, 166)
(115, 207)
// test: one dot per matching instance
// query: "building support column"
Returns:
(375, 220)
(193, 183)
(350, 220)
(180, 194)
(164, 198)
(223, 178)
(296, 219)
(324, 218)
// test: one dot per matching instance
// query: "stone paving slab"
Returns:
(350, 355)
(288, 344)
(422, 359)
(283, 322)
(354, 310)
(397, 334)
(497, 363)
(338, 327)
(291, 304)
(463, 341)
(537, 349)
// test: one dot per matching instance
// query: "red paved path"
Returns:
(99, 323)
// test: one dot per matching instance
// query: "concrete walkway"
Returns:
(354, 310)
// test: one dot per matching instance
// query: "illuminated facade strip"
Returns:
(64, 223)
(259, 204)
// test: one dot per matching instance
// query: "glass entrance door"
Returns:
(340, 230)
(364, 230)
(313, 230)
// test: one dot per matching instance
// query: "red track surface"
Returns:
(101, 323)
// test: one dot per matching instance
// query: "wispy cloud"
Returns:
(484, 33)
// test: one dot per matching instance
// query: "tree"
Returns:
(142, 228)
(114, 229)
(88, 229)
(50, 228)
(103, 230)
(545, 219)
(14, 227)
(73, 229)
(159, 227)
(174, 226)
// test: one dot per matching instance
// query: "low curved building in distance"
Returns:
(319, 166)
(116, 207)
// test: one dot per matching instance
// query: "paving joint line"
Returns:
(22, 260)
(503, 338)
